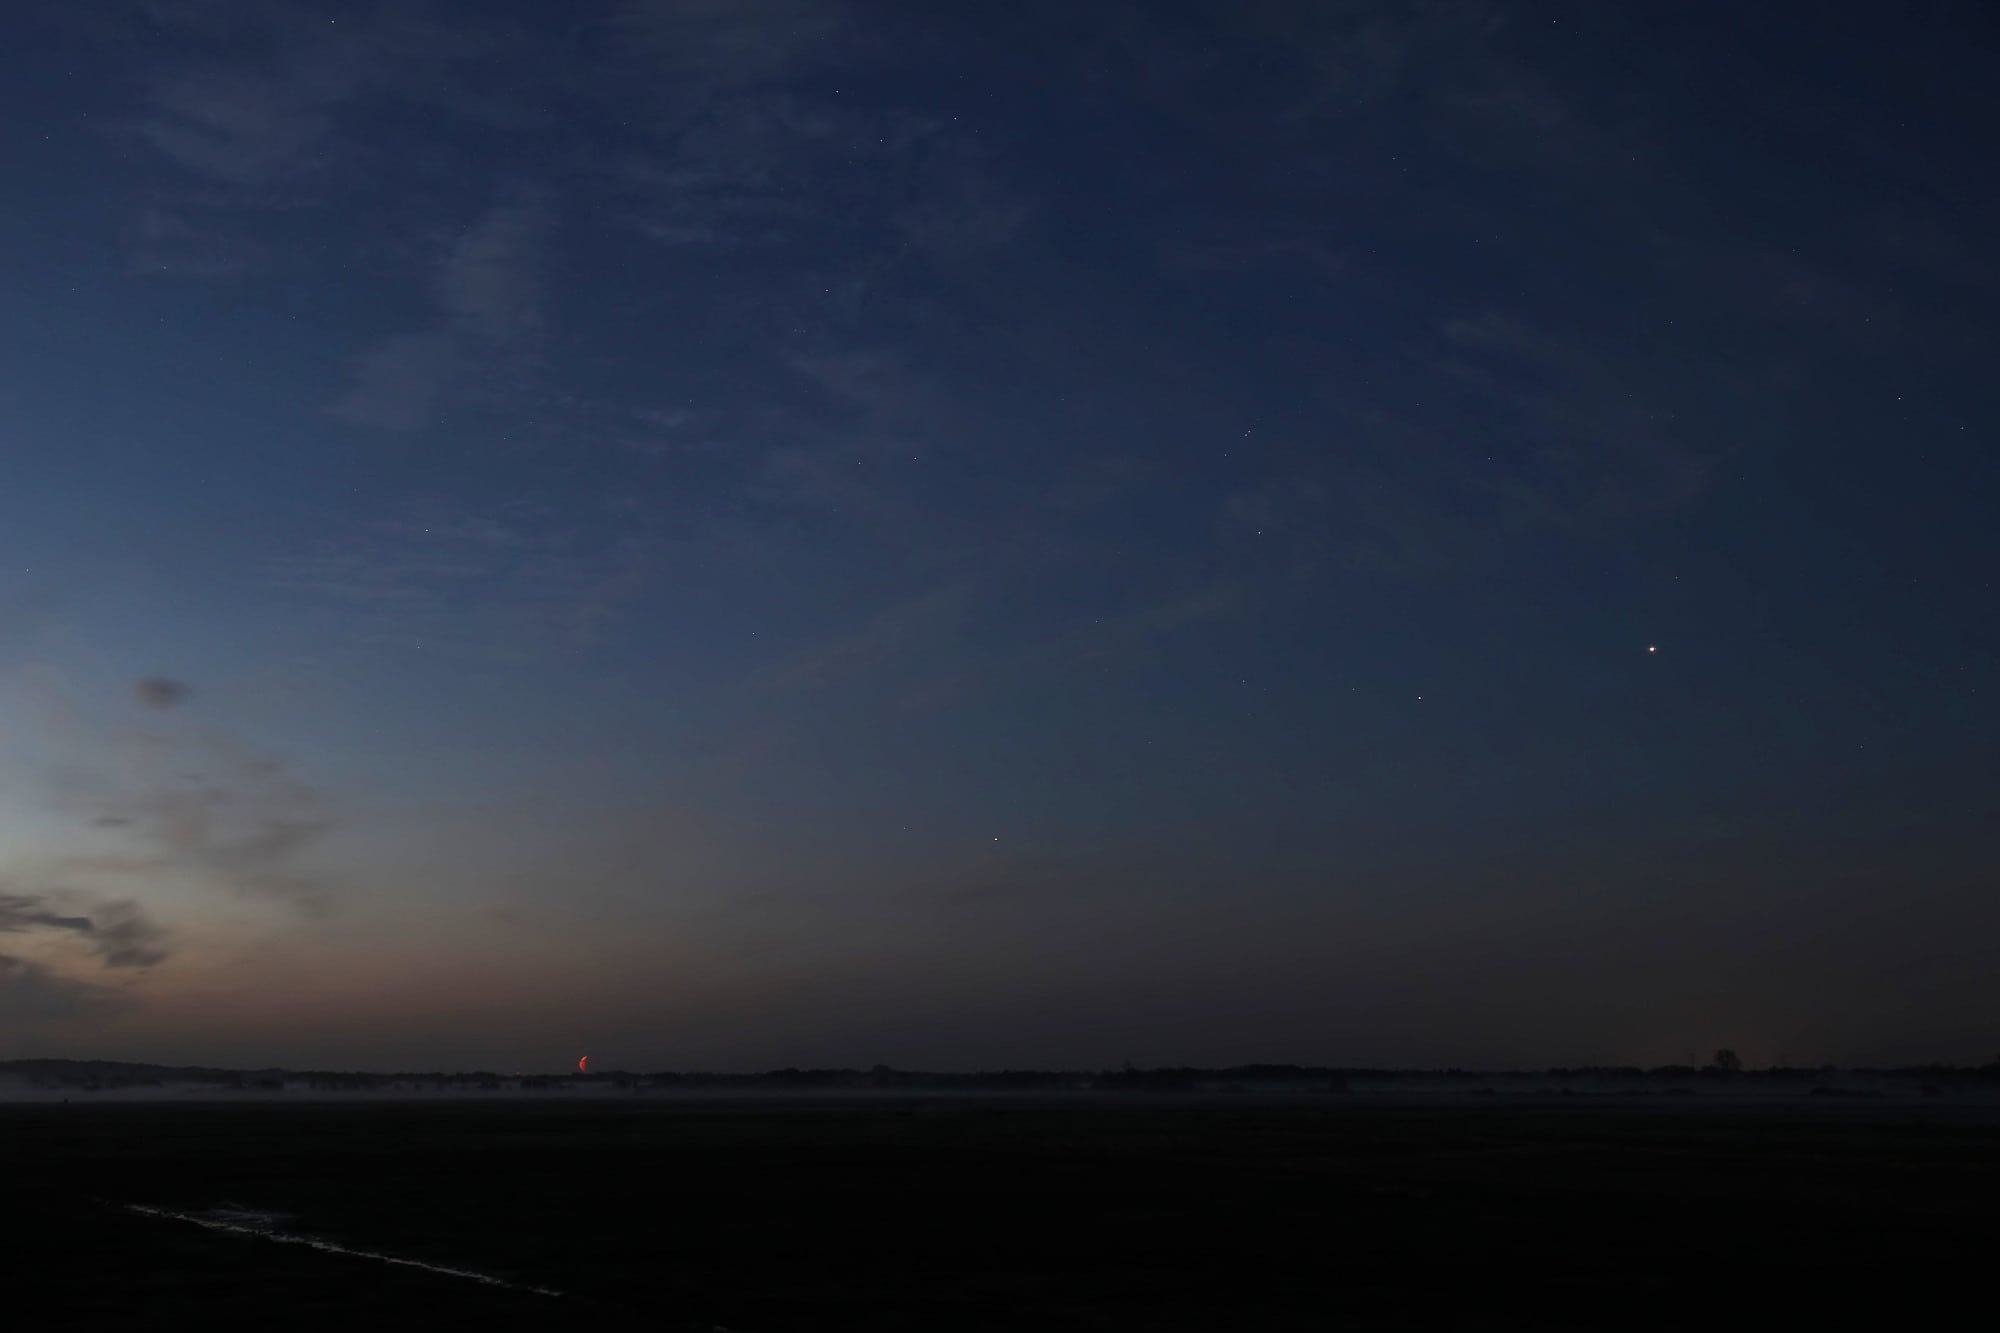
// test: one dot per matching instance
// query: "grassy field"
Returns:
(989, 1215)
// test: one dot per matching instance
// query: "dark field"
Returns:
(989, 1215)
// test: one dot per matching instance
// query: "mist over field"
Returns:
(1665, 1088)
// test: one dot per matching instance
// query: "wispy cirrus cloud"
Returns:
(178, 801)
(242, 143)
(1577, 437)
(1102, 642)
(486, 307)
(185, 239)
(707, 46)
(902, 190)
(257, 114)
(925, 622)
(400, 383)
(492, 584)
(489, 284)
(411, 572)
(934, 648)
(1597, 440)
(241, 823)
(267, 131)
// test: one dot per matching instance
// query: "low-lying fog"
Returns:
(1650, 1089)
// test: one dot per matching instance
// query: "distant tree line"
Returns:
(96, 1075)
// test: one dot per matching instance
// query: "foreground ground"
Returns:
(987, 1215)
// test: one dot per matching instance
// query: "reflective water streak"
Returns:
(245, 1222)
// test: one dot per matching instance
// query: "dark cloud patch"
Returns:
(117, 931)
(160, 692)
(124, 936)
(22, 912)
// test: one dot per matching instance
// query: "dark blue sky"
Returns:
(787, 531)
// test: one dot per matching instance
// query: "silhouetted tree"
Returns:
(1726, 1061)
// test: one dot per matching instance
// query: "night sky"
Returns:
(738, 533)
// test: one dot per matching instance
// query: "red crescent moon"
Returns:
(580, 1065)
